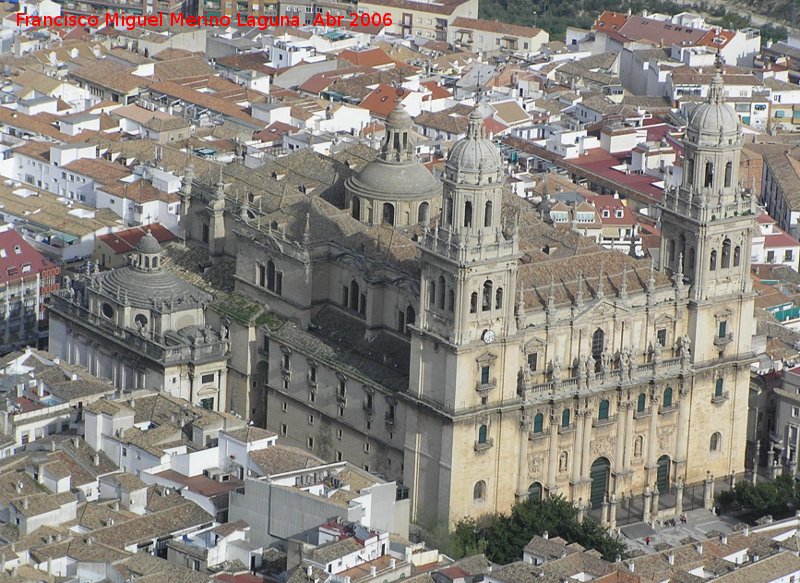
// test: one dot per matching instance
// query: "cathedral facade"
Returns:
(439, 333)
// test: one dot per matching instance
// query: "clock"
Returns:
(489, 336)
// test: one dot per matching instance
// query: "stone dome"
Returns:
(474, 153)
(714, 117)
(396, 173)
(145, 289)
(148, 244)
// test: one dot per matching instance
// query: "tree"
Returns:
(778, 497)
(504, 536)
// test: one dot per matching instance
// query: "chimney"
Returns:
(671, 558)
(392, 563)
(699, 548)
(618, 558)
(545, 535)
(56, 360)
(755, 557)
(90, 540)
(373, 570)
(74, 376)
(97, 459)
(24, 503)
(723, 539)
(19, 487)
(76, 441)
(631, 566)
(115, 506)
(309, 570)
(746, 531)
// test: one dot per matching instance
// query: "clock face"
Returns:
(489, 336)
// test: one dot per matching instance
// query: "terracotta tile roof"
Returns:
(273, 133)
(100, 170)
(125, 241)
(702, 76)
(496, 27)
(374, 57)
(383, 99)
(280, 459)
(18, 259)
(208, 101)
(110, 74)
(443, 7)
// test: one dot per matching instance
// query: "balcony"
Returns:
(723, 340)
(341, 399)
(719, 399)
(390, 422)
(610, 420)
(483, 446)
(484, 388)
(368, 408)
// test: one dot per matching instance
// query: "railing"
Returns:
(611, 378)
(718, 399)
(484, 445)
(485, 387)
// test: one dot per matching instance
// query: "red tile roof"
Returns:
(375, 57)
(780, 240)
(382, 100)
(16, 253)
(437, 91)
(274, 132)
(125, 241)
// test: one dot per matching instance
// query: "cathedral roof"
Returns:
(714, 117)
(143, 289)
(396, 173)
(474, 153)
(148, 244)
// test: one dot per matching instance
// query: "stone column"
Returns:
(522, 462)
(587, 448)
(68, 351)
(646, 506)
(652, 439)
(553, 462)
(655, 501)
(622, 419)
(708, 491)
(604, 512)
(679, 497)
(629, 439)
(792, 467)
(756, 460)
(612, 511)
(682, 430)
(577, 460)
(581, 509)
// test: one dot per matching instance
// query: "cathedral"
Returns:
(437, 332)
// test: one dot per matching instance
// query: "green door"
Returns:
(599, 475)
(662, 476)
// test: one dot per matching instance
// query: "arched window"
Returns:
(726, 253)
(498, 298)
(487, 214)
(270, 274)
(715, 442)
(667, 399)
(641, 403)
(388, 214)
(356, 208)
(479, 491)
(538, 423)
(719, 386)
(709, 179)
(565, 418)
(147, 262)
(713, 263)
(690, 169)
(482, 433)
(422, 213)
(353, 295)
(728, 174)
(451, 300)
(448, 210)
(442, 292)
(467, 214)
(737, 256)
(155, 262)
(602, 412)
(598, 345)
(691, 259)
(670, 253)
(473, 303)
(487, 295)
(535, 492)
(681, 251)
(411, 315)
(431, 294)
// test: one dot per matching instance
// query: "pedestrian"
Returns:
(647, 540)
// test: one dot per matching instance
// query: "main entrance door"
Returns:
(662, 475)
(600, 472)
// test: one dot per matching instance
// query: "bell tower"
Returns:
(462, 353)
(707, 226)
